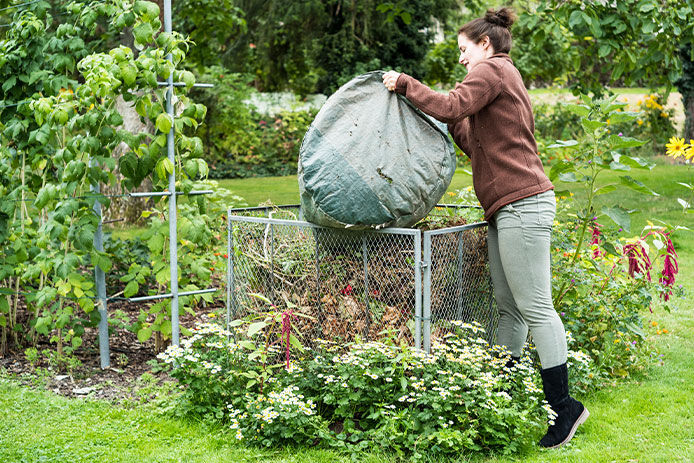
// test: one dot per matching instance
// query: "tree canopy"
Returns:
(313, 45)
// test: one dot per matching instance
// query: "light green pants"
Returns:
(519, 262)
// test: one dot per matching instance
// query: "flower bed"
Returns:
(365, 395)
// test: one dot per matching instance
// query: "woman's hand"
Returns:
(389, 79)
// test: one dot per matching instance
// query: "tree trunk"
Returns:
(688, 118)
(125, 208)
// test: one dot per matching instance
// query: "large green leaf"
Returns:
(247, 345)
(131, 289)
(146, 10)
(635, 185)
(563, 144)
(128, 73)
(605, 189)
(635, 162)
(127, 164)
(619, 215)
(164, 123)
(617, 117)
(569, 177)
(590, 125)
(559, 168)
(187, 78)
(143, 33)
(254, 328)
(144, 334)
(165, 328)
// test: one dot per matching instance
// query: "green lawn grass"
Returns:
(646, 419)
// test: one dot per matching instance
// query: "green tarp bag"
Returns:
(371, 160)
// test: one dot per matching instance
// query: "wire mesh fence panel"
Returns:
(366, 286)
(460, 288)
(356, 285)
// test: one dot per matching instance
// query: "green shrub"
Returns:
(602, 299)
(364, 395)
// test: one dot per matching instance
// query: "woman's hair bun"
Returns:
(503, 17)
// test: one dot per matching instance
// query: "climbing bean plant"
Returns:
(59, 128)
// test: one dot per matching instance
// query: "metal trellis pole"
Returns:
(100, 277)
(170, 146)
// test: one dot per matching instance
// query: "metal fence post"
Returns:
(100, 277)
(426, 296)
(229, 261)
(459, 280)
(170, 147)
(418, 290)
(272, 264)
(365, 259)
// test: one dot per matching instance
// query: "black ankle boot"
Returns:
(570, 412)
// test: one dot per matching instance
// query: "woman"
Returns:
(490, 118)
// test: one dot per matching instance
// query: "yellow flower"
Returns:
(689, 153)
(663, 114)
(640, 122)
(638, 102)
(676, 147)
(450, 193)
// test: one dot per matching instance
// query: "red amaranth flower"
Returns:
(595, 239)
(639, 262)
(670, 268)
(347, 290)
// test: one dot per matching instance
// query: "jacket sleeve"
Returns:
(479, 88)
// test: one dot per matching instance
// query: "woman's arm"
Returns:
(477, 90)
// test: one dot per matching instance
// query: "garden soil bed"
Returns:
(130, 359)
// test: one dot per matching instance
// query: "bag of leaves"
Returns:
(371, 160)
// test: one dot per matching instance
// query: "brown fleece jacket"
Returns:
(491, 120)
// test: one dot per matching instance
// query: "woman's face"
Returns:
(471, 53)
